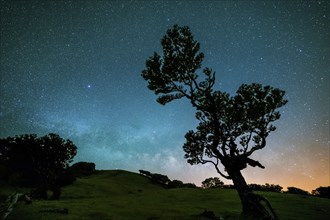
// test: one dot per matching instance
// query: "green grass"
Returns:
(125, 195)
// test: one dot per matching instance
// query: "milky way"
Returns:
(73, 68)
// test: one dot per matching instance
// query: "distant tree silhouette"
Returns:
(228, 186)
(189, 185)
(231, 128)
(82, 168)
(176, 184)
(40, 162)
(295, 190)
(266, 187)
(212, 182)
(322, 191)
(145, 172)
(165, 181)
(156, 177)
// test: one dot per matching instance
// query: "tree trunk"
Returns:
(251, 203)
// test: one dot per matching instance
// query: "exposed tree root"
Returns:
(260, 207)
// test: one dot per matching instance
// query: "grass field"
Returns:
(124, 195)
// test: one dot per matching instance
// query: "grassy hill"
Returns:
(124, 195)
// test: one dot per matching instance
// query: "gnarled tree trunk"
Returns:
(251, 203)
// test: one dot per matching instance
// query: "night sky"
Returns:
(74, 68)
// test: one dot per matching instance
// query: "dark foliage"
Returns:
(212, 182)
(189, 185)
(3, 172)
(82, 169)
(37, 162)
(144, 172)
(322, 191)
(156, 178)
(159, 178)
(165, 181)
(267, 187)
(175, 184)
(295, 190)
(228, 186)
(179, 184)
(231, 128)
(66, 178)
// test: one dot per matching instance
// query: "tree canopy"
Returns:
(231, 128)
(40, 162)
(322, 191)
(212, 182)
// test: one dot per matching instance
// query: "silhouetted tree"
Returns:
(266, 187)
(272, 187)
(41, 161)
(231, 128)
(322, 191)
(212, 182)
(15, 155)
(160, 178)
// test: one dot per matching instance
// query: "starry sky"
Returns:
(74, 68)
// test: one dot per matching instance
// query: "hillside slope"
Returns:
(125, 195)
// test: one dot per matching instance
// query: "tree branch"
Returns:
(254, 163)
(247, 142)
(216, 167)
(257, 147)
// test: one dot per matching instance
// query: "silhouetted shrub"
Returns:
(156, 177)
(322, 191)
(159, 178)
(144, 172)
(82, 169)
(175, 184)
(189, 185)
(228, 186)
(165, 181)
(266, 187)
(294, 190)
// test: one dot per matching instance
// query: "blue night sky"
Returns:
(74, 68)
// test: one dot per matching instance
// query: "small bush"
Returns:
(82, 169)
(144, 172)
(156, 177)
(175, 184)
(298, 191)
(189, 185)
(266, 187)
